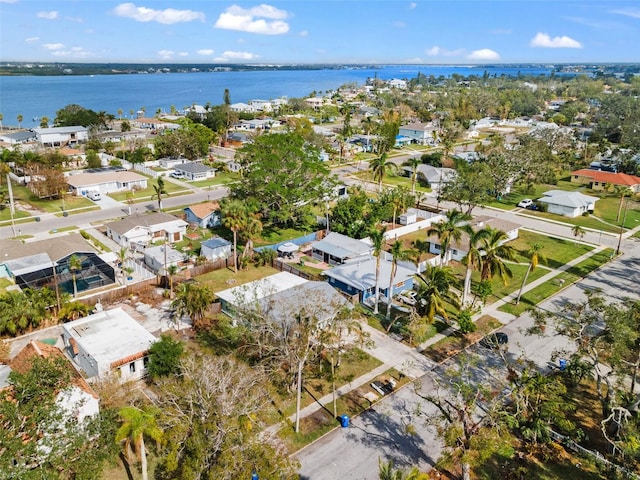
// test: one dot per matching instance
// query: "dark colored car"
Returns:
(495, 340)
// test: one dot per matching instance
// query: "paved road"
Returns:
(353, 453)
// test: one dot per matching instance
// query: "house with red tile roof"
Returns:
(599, 179)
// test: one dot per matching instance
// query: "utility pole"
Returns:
(624, 218)
(12, 208)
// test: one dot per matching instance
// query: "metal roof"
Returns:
(361, 273)
(142, 220)
(341, 246)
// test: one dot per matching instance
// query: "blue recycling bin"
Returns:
(254, 476)
(563, 364)
(344, 421)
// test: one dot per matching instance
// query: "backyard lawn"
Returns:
(221, 178)
(222, 279)
(71, 202)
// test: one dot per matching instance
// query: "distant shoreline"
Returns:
(75, 69)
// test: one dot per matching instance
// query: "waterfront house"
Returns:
(61, 136)
(108, 342)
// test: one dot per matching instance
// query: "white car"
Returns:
(526, 203)
(409, 297)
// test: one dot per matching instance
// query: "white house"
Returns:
(156, 258)
(397, 83)
(108, 342)
(107, 182)
(61, 136)
(216, 248)
(141, 230)
(436, 177)
(195, 171)
(420, 133)
(567, 204)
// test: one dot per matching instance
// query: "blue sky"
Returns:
(328, 31)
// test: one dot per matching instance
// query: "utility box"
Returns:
(408, 218)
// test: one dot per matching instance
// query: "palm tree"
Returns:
(473, 259)
(578, 232)
(192, 300)
(234, 217)
(122, 256)
(387, 472)
(436, 289)
(136, 425)
(622, 192)
(397, 253)
(495, 255)
(252, 229)
(44, 122)
(120, 114)
(377, 241)
(159, 192)
(171, 270)
(20, 118)
(448, 231)
(534, 258)
(75, 265)
(414, 163)
(379, 167)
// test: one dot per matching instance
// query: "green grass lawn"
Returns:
(271, 236)
(64, 229)
(5, 215)
(220, 280)
(547, 289)
(71, 202)
(510, 201)
(4, 283)
(221, 178)
(557, 251)
(393, 180)
(145, 193)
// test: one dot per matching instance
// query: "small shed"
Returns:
(216, 248)
(160, 256)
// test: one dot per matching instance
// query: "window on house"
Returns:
(145, 362)
(132, 367)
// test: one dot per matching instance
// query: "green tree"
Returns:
(138, 423)
(379, 167)
(159, 191)
(377, 242)
(193, 300)
(387, 472)
(397, 253)
(283, 177)
(75, 265)
(448, 231)
(534, 257)
(496, 254)
(436, 287)
(473, 259)
(171, 271)
(20, 118)
(414, 163)
(578, 232)
(164, 357)
(234, 217)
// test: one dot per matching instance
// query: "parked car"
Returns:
(533, 206)
(384, 388)
(177, 174)
(495, 340)
(95, 196)
(525, 203)
(409, 297)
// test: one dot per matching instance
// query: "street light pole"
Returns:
(624, 218)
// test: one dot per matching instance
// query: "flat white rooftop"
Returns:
(259, 289)
(110, 336)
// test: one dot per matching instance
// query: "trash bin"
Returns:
(254, 476)
(344, 421)
(563, 364)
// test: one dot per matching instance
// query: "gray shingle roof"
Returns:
(142, 220)
(193, 167)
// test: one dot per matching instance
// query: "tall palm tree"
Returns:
(160, 192)
(123, 255)
(192, 300)
(448, 231)
(387, 472)
(534, 258)
(20, 118)
(496, 253)
(578, 232)
(251, 230)
(397, 253)
(414, 163)
(234, 217)
(436, 289)
(171, 270)
(473, 259)
(379, 167)
(136, 425)
(377, 240)
(75, 265)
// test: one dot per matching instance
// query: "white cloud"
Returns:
(628, 12)
(544, 40)
(484, 54)
(231, 55)
(205, 51)
(304, 33)
(52, 15)
(252, 20)
(31, 39)
(53, 46)
(167, 16)
(412, 5)
(183, 54)
(166, 54)
(437, 51)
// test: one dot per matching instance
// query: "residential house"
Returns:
(281, 296)
(18, 138)
(397, 83)
(108, 342)
(105, 182)
(138, 231)
(418, 132)
(459, 249)
(241, 108)
(600, 180)
(61, 136)
(46, 263)
(77, 399)
(171, 162)
(204, 215)
(358, 278)
(336, 249)
(154, 124)
(216, 248)
(568, 204)
(162, 256)
(195, 171)
(434, 177)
